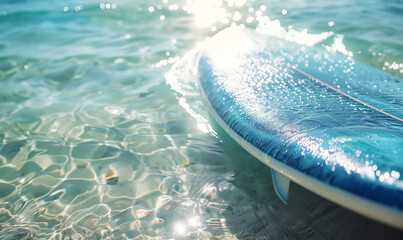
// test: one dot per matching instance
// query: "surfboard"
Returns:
(321, 120)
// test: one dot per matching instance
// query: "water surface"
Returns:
(104, 134)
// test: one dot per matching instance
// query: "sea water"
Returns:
(104, 134)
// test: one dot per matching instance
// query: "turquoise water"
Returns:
(104, 134)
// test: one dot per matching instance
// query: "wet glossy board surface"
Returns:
(329, 117)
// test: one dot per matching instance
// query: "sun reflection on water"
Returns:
(207, 12)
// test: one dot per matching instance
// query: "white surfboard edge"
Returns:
(282, 174)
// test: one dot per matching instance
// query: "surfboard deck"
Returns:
(325, 122)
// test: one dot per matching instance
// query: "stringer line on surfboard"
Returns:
(280, 182)
(347, 95)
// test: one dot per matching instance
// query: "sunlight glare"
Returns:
(222, 47)
(207, 12)
(194, 221)
(180, 228)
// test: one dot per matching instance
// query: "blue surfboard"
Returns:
(323, 121)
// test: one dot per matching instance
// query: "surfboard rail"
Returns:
(351, 201)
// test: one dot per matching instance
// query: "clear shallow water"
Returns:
(104, 134)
